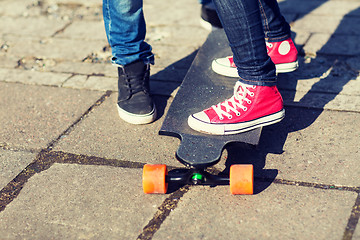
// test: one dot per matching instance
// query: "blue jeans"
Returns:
(125, 30)
(247, 23)
(275, 27)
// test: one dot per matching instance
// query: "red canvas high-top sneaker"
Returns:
(283, 54)
(250, 107)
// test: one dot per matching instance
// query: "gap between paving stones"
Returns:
(69, 129)
(62, 29)
(353, 220)
(46, 158)
(163, 212)
(42, 161)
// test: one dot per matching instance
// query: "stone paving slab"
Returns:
(11, 163)
(319, 7)
(32, 77)
(157, 13)
(33, 116)
(53, 48)
(323, 75)
(53, 9)
(333, 45)
(279, 212)
(322, 101)
(70, 201)
(13, 8)
(312, 146)
(104, 134)
(356, 235)
(85, 68)
(7, 61)
(74, 3)
(92, 83)
(300, 39)
(39, 26)
(324, 24)
(84, 30)
(170, 35)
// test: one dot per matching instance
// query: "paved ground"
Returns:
(71, 169)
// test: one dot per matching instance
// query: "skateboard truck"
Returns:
(197, 152)
(156, 178)
(195, 176)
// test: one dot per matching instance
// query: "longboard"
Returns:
(201, 88)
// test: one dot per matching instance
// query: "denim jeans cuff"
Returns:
(268, 83)
(147, 60)
(278, 39)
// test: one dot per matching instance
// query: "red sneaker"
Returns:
(283, 54)
(250, 107)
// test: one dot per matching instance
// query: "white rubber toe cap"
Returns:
(200, 116)
(222, 66)
(223, 62)
(198, 121)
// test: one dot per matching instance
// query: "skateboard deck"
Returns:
(200, 89)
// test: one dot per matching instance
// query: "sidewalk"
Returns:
(71, 169)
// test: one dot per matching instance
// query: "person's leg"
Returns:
(243, 27)
(280, 46)
(275, 27)
(125, 29)
(256, 101)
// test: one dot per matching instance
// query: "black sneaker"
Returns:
(135, 104)
(209, 18)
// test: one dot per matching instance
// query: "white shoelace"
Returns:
(241, 91)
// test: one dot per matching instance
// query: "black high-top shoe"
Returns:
(135, 104)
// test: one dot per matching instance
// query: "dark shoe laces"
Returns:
(136, 83)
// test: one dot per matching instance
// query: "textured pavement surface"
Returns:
(71, 169)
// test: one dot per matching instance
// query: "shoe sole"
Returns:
(286, 67)
(232, 72)
(137, 118)
(234, 128)
(207, 26)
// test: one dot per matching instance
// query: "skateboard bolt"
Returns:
(197, 178)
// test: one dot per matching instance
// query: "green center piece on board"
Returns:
(197, 176)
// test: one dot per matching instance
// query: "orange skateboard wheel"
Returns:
(242, 179)
(153, 179)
